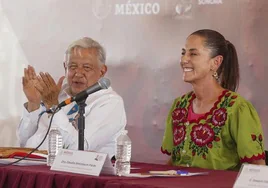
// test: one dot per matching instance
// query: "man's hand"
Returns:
(48, 89)
(29, 80)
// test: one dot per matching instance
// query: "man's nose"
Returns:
(79, 72)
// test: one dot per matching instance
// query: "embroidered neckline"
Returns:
(210, 112)
(192, 114)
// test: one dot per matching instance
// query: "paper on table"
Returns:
(31, 159)
(134, 168)
(170, 172)
(22, 162)
(23, 154)
(164, 174)
(40, 155)
(131, 168)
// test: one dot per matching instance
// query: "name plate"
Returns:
(252, 176)
(83, 162)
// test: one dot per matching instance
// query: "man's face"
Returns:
(83, 69)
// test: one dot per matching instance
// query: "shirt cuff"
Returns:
(32, 116)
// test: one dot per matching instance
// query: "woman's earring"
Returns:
(215, 75)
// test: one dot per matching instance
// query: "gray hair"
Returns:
(87, 42)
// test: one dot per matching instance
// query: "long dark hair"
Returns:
(228, 71)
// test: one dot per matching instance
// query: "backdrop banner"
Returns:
(143, 40)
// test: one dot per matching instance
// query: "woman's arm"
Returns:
(258, 162)
(169, 162)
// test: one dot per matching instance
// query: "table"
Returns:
(5, 152)
(42, 176)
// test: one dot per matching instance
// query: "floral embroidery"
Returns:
(253, 158)
(231, 104)
(219, 117)
(176, 153)
(179, 116)
(165, 151)
(202, 134)
(234, 97)
(206, 130)
(178, 134)
(227, 94)
(253, 136)
(185, 99)
(228, 101)
(259, 140)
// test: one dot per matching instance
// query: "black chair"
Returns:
(113, 158)
(266, 159)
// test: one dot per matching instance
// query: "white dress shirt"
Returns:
(105, 118)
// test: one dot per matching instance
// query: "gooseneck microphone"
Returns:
(103, 83)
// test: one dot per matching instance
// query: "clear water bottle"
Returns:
(123, 154)
(54, 144)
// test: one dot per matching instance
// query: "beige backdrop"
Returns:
(143, 39)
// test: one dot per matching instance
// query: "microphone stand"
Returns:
(81, 123)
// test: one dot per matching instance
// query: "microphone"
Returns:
(103, 83)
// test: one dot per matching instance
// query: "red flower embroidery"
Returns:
(219, 117)
(260, 137)
(209, 145)
(217, 139)
(231, 104)
(202, 134)
(179, 116)
(227, 94)
(259, 140)
(204, 156)
(234, 97)
(178, 134)
(193, 153)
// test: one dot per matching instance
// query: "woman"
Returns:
(212, 126)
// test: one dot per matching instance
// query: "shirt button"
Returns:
(187, 123)
(187, 165)
(183, 151)
(185, 138)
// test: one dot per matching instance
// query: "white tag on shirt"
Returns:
(252, 176)
(83, 162)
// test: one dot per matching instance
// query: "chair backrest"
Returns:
(266, 159)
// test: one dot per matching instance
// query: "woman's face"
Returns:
(196, 62)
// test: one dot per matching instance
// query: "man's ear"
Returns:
(103, 70)
(65, 67)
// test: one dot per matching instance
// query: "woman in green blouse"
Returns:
(212, 126)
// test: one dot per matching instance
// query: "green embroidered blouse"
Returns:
(225, 137)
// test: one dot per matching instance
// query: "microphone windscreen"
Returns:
(104, 83)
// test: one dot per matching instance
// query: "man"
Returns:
(104, 114)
